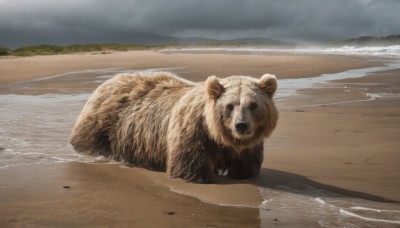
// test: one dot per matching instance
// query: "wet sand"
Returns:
(351, 139)
(349, 148)
(78, 194)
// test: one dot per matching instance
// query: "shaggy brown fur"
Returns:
(191, 130)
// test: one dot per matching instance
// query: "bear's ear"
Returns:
(214, 88)
(268, 84)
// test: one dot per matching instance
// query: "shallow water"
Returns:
(288, 87)
(34, 129)
(330, 209)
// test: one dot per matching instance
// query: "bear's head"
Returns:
(240, 112)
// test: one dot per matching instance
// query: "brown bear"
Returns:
(191, 130)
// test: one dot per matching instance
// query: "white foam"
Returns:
(393, 50)
(319, 200)
(76, 72)
(264, 202)
(351, 214)
(372, 209)
(330, 209)
(388, 51)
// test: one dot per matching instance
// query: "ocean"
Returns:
(384, 51)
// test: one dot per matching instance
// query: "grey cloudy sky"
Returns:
(25, 22)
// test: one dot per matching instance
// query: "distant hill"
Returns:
(125, 38)
(233, 42)
(370, 41)
(142, 38)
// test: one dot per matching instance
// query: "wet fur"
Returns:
(162, 122)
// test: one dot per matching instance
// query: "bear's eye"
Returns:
(253, 106)
(229, 107)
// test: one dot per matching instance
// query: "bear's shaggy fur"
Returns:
(191, 130)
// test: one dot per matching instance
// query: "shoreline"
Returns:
(340, 154)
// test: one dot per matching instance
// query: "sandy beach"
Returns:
(334, 141)
(197, 66)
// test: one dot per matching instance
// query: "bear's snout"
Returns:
(242, 127)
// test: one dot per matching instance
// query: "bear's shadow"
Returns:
(298, 184)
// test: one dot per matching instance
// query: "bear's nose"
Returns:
(241, 127)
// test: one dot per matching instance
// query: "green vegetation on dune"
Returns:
(105, 48)
(68, 49)
(4, 51)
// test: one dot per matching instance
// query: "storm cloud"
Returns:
(25, 22)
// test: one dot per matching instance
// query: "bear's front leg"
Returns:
(189, 161)
(248, 164)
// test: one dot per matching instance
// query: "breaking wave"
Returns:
(385, 51)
